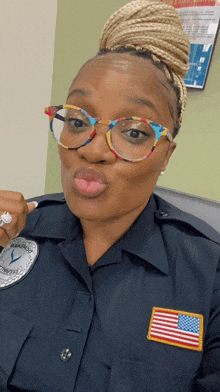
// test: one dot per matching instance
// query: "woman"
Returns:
(107, 287)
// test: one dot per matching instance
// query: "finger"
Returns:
(6, 235)
(16, 197)
(31, 206)
(15, 204)
(16, 225)
(4, 238)
(11, 195)
(17, 207)
(12, 229)
(21, 221)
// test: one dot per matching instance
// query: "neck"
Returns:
(100, 235)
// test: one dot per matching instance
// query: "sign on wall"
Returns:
(200, 19)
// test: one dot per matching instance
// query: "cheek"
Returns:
(64, 179)
(140, 179)
(64, 156)
(66, 165)
(145, 172)
(69, 160)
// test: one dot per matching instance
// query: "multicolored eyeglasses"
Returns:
(132, 139)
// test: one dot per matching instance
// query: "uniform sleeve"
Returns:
(208, 378)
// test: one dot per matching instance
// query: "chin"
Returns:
(88, 208)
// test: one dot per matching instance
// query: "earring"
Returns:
(161, 173)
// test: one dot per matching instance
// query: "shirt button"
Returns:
(163, 214)
(65, 355)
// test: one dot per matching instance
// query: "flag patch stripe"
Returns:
(171, 319)
(166, 323)
(161, 312)
(177, 328)
(173, 329)
(163, 315)
(174, 334)
(178, 343)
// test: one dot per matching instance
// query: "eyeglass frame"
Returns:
(162, 131)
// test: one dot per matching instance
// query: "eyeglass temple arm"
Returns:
(59, 117)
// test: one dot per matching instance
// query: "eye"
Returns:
(135, 133)
(76, 125)
(135, 136)
(75, 122)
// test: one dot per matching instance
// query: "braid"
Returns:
(151, 30)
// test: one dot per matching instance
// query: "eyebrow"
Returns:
(137, 100)
(143, 101)
(80, 91)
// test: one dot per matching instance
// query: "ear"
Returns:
(170, 151)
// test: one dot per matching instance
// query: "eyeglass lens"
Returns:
(133, 139)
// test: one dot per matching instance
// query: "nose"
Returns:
(98, 149)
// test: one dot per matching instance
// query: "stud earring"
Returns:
(161, 173)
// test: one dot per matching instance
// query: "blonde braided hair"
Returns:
(154, 27)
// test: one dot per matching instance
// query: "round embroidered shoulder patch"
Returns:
(16, 260)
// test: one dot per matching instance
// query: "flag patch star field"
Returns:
(176, 328)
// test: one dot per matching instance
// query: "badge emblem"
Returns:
(16, 260)
(177, 328)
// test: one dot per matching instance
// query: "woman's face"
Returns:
(110, 87)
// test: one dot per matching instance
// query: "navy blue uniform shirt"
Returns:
(66, 327)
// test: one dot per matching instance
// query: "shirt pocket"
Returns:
(13, 334)
(137, 376)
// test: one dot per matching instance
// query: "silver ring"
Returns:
(5, 218)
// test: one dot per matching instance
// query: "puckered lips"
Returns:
(90, 182)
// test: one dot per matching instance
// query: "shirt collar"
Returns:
(143, 239)
(55, 221)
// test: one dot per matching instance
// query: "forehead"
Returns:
(122, 75)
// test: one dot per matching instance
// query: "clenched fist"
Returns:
(15, 204)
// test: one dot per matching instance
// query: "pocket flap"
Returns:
(13, 333)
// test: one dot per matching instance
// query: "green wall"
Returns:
(195, 165)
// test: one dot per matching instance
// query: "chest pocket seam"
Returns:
(14, 331)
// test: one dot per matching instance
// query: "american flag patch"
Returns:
(176, 328)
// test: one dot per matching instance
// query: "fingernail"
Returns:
(35, 203)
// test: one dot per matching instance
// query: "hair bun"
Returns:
(151, 25)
